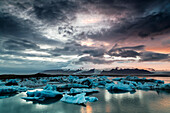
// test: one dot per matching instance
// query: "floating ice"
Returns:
(7, 89)
(118, 88)
(82, 90)
(12, 82)
(91, 99)
(42, 95)
(78, 99)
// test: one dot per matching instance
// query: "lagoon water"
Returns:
(139, 102)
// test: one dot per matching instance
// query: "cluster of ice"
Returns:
(143, 83)
(56, 87)
(64, 86)
(7, 89)
(31, 83)
(42, 95)
(12, 82)
(82, 90)
(118, 88)
(78, 99)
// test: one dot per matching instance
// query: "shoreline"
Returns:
(14, 76)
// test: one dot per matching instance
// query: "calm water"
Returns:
(140, 102)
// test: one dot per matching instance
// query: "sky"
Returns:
(38, 35)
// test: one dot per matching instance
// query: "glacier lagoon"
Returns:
(139, 102)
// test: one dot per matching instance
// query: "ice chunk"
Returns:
(33, 98)
(159, 81)
(42, 95)
(118, 88)
(146, 86)
(82, 90)
(78, 99)
(7, 89)
(85, 81)
(91, 99)
(68, 86)
(50, 87)
(12, 82)
(31, 83)
(163, 87)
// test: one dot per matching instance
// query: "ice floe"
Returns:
(78, 99)
(42, 95)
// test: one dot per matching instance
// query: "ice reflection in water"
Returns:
(139, 102)
(87, 109)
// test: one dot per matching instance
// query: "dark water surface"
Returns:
(139, 102)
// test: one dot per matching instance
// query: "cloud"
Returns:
(95, 52)
(94, 60)
(19, 45)
(125, 51)
(48, 30)
(151, 56)
(55, 10)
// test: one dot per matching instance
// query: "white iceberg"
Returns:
(78, 99)
(42, 95)
(91, 99)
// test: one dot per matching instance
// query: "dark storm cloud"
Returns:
(54, 10)
(143, 19)
(135, 51)
(30, 23)
(19, 45)
(152, 24)
(143, 27)
(151, 56)
(125, 51)
(15, 28)
(73, 48)
(95, 52)
(94, 60)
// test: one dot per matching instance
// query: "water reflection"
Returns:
(139, 102)
(87, 109)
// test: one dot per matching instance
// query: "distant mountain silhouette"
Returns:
(94, 71)
(126, 71)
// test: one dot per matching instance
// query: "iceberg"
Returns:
(120, 88)
(7, 90)
(82, 90)
(85, 81)
(50, 87)
(146, 86)
(33, 98)
(12, 82)
(42, 95)
(31, 83)
(69, 86)
(91, 99)
(78, 99)
(163, 86)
